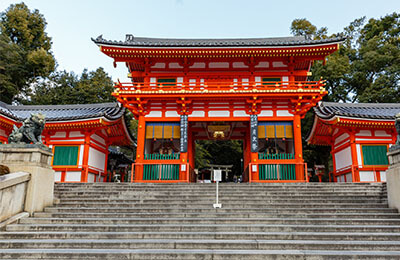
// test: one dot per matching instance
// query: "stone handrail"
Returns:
(13, 190)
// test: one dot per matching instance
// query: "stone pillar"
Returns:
(393, 178)
(35, 160)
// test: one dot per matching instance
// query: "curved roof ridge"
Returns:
(131, 40)
(111, 111)
(328, 110)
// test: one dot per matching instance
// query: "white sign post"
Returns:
(217, 178)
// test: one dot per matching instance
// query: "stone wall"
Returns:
(393, 179)
(36, 161)
(13, 189)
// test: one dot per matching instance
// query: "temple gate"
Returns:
(255, 90)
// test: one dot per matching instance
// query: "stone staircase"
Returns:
(178, 221)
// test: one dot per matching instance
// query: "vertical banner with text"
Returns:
(254, 133)
(184, 133)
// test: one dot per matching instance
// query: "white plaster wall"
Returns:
(341, 138)
(3, 133)
(59, 134)
(240, 113)
(171, 114)
(96, 158)
(383, 176)
(198, 65)
(76, 134)
(69, 140)
(367, 176)
(218, 113)
(175, 65)
(80, 159)
(73, 176)
(382, 133)
(359, 159)
(262, 64)
(364, 133)
(278, 64)
(154, 114)
(336, 131)
(239, 65)
(266, 113)
(98, 139)
(343, 158)
(349, 177)
(283, 113)
(197, 114)
(57, 176)
(158, 65)
(214, 65)
(91, 177)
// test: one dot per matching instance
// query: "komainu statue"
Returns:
(30, 131)
(397, 124)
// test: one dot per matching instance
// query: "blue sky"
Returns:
(72, 23)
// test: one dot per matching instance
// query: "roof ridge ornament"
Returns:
(100, 38)
(129, 38)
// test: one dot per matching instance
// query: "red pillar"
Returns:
(298, 147)
(85, 159)
(140, 148)
(353, 147)
(105, 165)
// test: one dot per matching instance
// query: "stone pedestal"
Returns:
(35, 160)
(393, 178)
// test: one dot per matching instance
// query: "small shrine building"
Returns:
(79, 135)
(254, 90)
(359, 134)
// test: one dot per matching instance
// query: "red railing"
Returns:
(219, 86)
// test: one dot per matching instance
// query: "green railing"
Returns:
(157, 156)
(161, 172)
(276, 156)
(277, 172)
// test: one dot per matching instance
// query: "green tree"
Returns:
(376, 65)
(303, 27)
(25, 53)
(67, 88)
(219, 152)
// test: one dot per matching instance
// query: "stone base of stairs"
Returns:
(178, 221)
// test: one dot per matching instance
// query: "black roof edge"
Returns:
(130, 41)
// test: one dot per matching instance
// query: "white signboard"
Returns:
(217, 175)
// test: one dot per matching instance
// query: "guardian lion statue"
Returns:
(397, 124)
(30, 131)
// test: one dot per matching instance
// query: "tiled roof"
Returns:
(111, 111)
(328, 110)
(130, 40)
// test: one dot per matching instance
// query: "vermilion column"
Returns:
(85, 159)
(140, 148)
(298, 147)
(105, 165)
(353, 147)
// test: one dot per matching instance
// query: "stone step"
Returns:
(227, 194)
(224, 199)
(282, 235)
(187, 220)
(359, 215)
(204, 227)
(190, 254)
(228, 189)
(209, 208)
(230, 204)
(199, 244)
